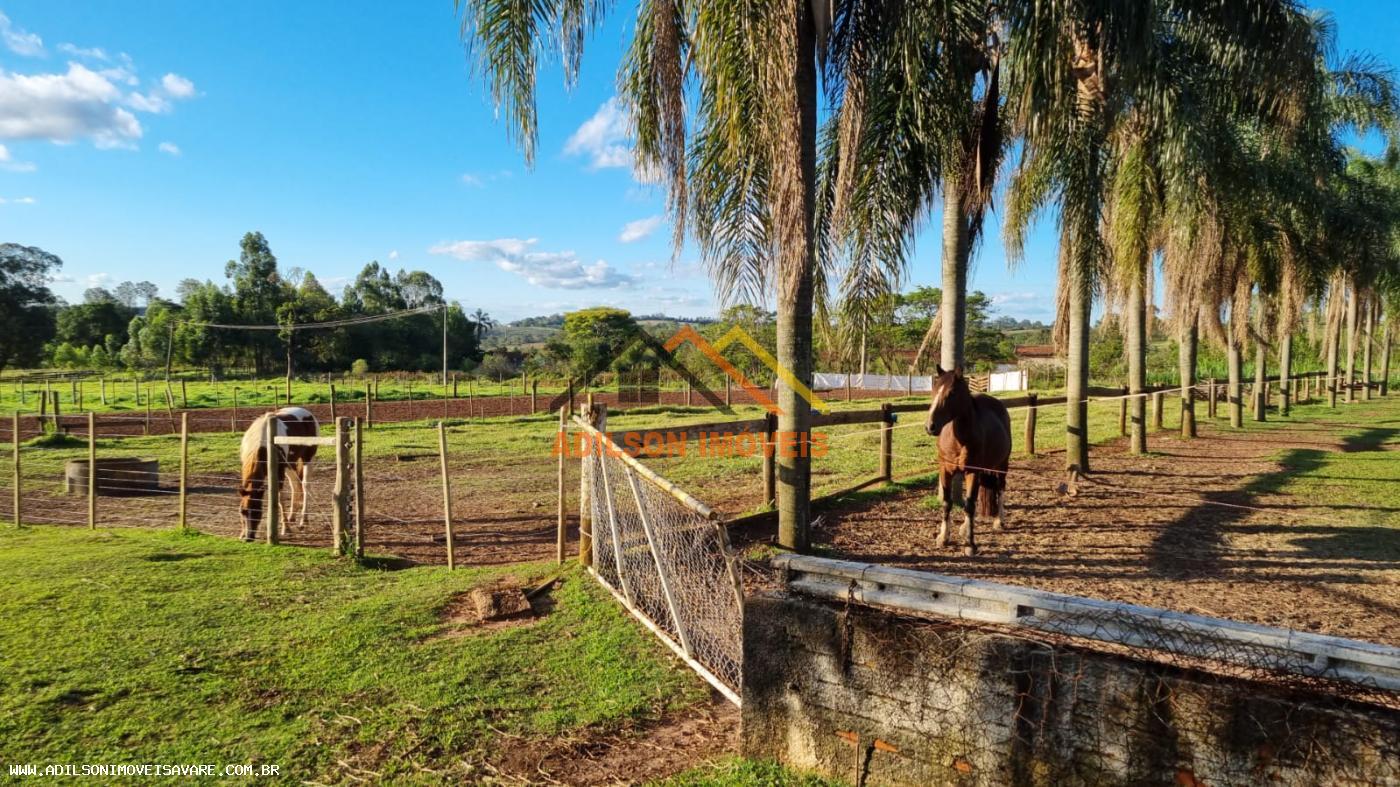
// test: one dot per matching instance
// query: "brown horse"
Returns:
(291, 459)
(974, 438)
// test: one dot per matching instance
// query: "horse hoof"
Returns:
(969, 551)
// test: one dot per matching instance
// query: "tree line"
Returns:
(131, 327)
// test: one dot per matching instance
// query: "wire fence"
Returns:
(668, 563)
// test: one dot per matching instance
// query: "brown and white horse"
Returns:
(293, 459)
(974, 438)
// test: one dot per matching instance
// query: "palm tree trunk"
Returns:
(797, 261)
(1349, 376)
(1186, 367)
(1285, 372)
(1261, 377)
(1385, 357)
(1334, 339)
(1137, 361)
(1370, 336)
(1234, 390)
(1077, 372)
(953, 301)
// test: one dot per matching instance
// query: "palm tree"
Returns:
(743, 182)
(1081, 69)
(484, 324)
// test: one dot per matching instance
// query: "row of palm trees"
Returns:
(802, 143)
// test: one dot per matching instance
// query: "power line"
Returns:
(309, 326)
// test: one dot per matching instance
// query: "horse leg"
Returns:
(303, 470)
(999, 520)
(974, 485)
(945, 491)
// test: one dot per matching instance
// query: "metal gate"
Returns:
(666, 557)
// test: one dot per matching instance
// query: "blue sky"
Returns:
(140, 140)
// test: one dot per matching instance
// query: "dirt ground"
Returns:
(1198, 526)
(633, 755)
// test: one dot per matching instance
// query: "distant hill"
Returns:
(535, 331)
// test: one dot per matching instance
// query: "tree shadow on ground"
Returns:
(1194, 545)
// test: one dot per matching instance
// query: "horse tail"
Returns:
(989, 490)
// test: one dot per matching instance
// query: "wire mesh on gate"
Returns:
(671, 564)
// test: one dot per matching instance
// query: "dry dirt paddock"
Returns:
(1293, 525)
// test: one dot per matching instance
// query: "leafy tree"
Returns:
(258, 290)
(88, 323)
(596, 339)
(26, 319)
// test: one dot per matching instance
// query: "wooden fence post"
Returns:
(534, 395)
(728, 395)
(92, 471)
(886, 443)
(571, 398)
(359, 491)
(1157, 410)
(184, 395)
(233, 419)
(184, 470)
(1030, 425)
(848, 386)
(341, 540)
(274, 479)
(170, 405)
(471, 399)
(688, 390)
(1210, 400)
(1123, 413)
(19, 482)
(770, 459)
(57, 413)
(410, 400)
(333, 413)
(597, 415)
(369, 406)
(446, 495)
(563, 524)
(102, 383)
(148, 409)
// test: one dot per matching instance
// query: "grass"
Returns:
(738, 772)
(144, 646)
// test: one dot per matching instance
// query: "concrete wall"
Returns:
(866, 696)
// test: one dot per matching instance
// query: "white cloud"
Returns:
(602, 139)
(173, 87)
(19, 41)
(641, 228)
(93, 53)
(7, 162)
(19, 201)
(555, 269)
(394, 255)
(65, 108)
(177, 86)
(472, 180)
(170, 147)
(83, 103)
